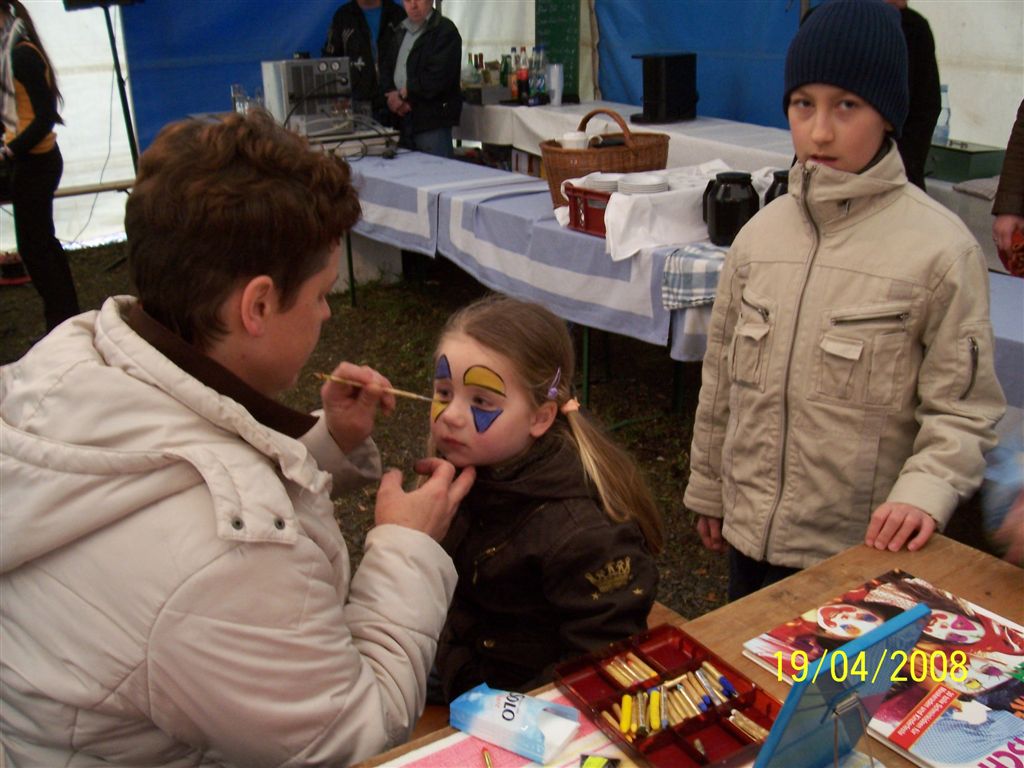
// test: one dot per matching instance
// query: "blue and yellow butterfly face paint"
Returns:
(483, 377)
(443, 371)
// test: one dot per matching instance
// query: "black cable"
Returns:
(110, 142)
(364, 147)
(311, 96)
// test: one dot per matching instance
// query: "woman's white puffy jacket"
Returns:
(174, 589)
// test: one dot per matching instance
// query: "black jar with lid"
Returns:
(779, 186)
(730, 201)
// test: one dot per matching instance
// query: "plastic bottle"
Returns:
(538, 76)
(513, 76)
(468, 71)
(523, 76)
(941, 133)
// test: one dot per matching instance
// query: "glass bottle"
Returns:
(506, 68)
(941, 133)
(778, 187)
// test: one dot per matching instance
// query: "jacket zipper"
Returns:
(899, 316)
(973, 346)
(784, 413)
(762, 311)
(490, 552)
(486, 554)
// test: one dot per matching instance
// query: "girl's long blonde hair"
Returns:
(539, 347)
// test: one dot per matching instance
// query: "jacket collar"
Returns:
(550, 469)
(836, 199)
(266, 411)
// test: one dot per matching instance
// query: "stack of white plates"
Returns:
(603, 182)
(643, 183)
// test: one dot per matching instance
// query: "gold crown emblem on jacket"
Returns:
(615, 574)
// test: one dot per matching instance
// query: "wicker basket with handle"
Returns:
(638, 152)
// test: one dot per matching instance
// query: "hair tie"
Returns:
(553, 389)
(570, 406)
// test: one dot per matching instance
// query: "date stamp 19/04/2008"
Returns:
(918, 666)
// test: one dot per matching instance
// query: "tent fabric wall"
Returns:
(183, 57)
(740, 46)
(93, 139)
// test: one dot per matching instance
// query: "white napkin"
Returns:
(635, 222)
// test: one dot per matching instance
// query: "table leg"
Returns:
(677, 387)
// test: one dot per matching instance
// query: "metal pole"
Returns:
(124, 94)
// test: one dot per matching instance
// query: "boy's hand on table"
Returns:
(1003, 227)
(894, 525)
(710, 530)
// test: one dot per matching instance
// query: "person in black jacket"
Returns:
(420, 77)
(925, 100)
(361, 30)
(1008, 207)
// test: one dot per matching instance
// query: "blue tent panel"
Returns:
(740, 46)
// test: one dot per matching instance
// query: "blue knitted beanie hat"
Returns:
(856, 45)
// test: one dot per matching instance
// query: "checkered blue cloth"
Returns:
(691, 275)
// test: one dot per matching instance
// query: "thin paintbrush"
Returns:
(392, 390)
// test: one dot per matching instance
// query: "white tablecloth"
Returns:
(499, 226)
(742, 146)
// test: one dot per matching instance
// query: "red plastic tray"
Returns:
(586, 209)
(669, 652)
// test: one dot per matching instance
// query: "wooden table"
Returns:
(965, 571)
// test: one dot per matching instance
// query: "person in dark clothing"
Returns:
(29, 96)
(420, 75)
(361, 30)
(925, 100)
(1008, 207)
(555, 544)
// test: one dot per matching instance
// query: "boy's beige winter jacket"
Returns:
(849, 363)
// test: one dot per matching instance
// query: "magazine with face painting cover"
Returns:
(956, 700)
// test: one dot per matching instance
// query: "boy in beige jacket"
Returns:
(848, 392)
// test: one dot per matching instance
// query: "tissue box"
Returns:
(532, 727)
(597, 684)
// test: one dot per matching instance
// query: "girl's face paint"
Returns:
(481, 414)
(483, 377)
(442, 372)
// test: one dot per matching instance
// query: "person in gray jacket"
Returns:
(849, 392)
(176, 590)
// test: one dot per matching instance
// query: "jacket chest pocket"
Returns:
(862, 357)
(751, 342)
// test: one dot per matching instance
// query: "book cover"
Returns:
(957, 699)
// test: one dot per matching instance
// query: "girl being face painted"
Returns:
(482, 414)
